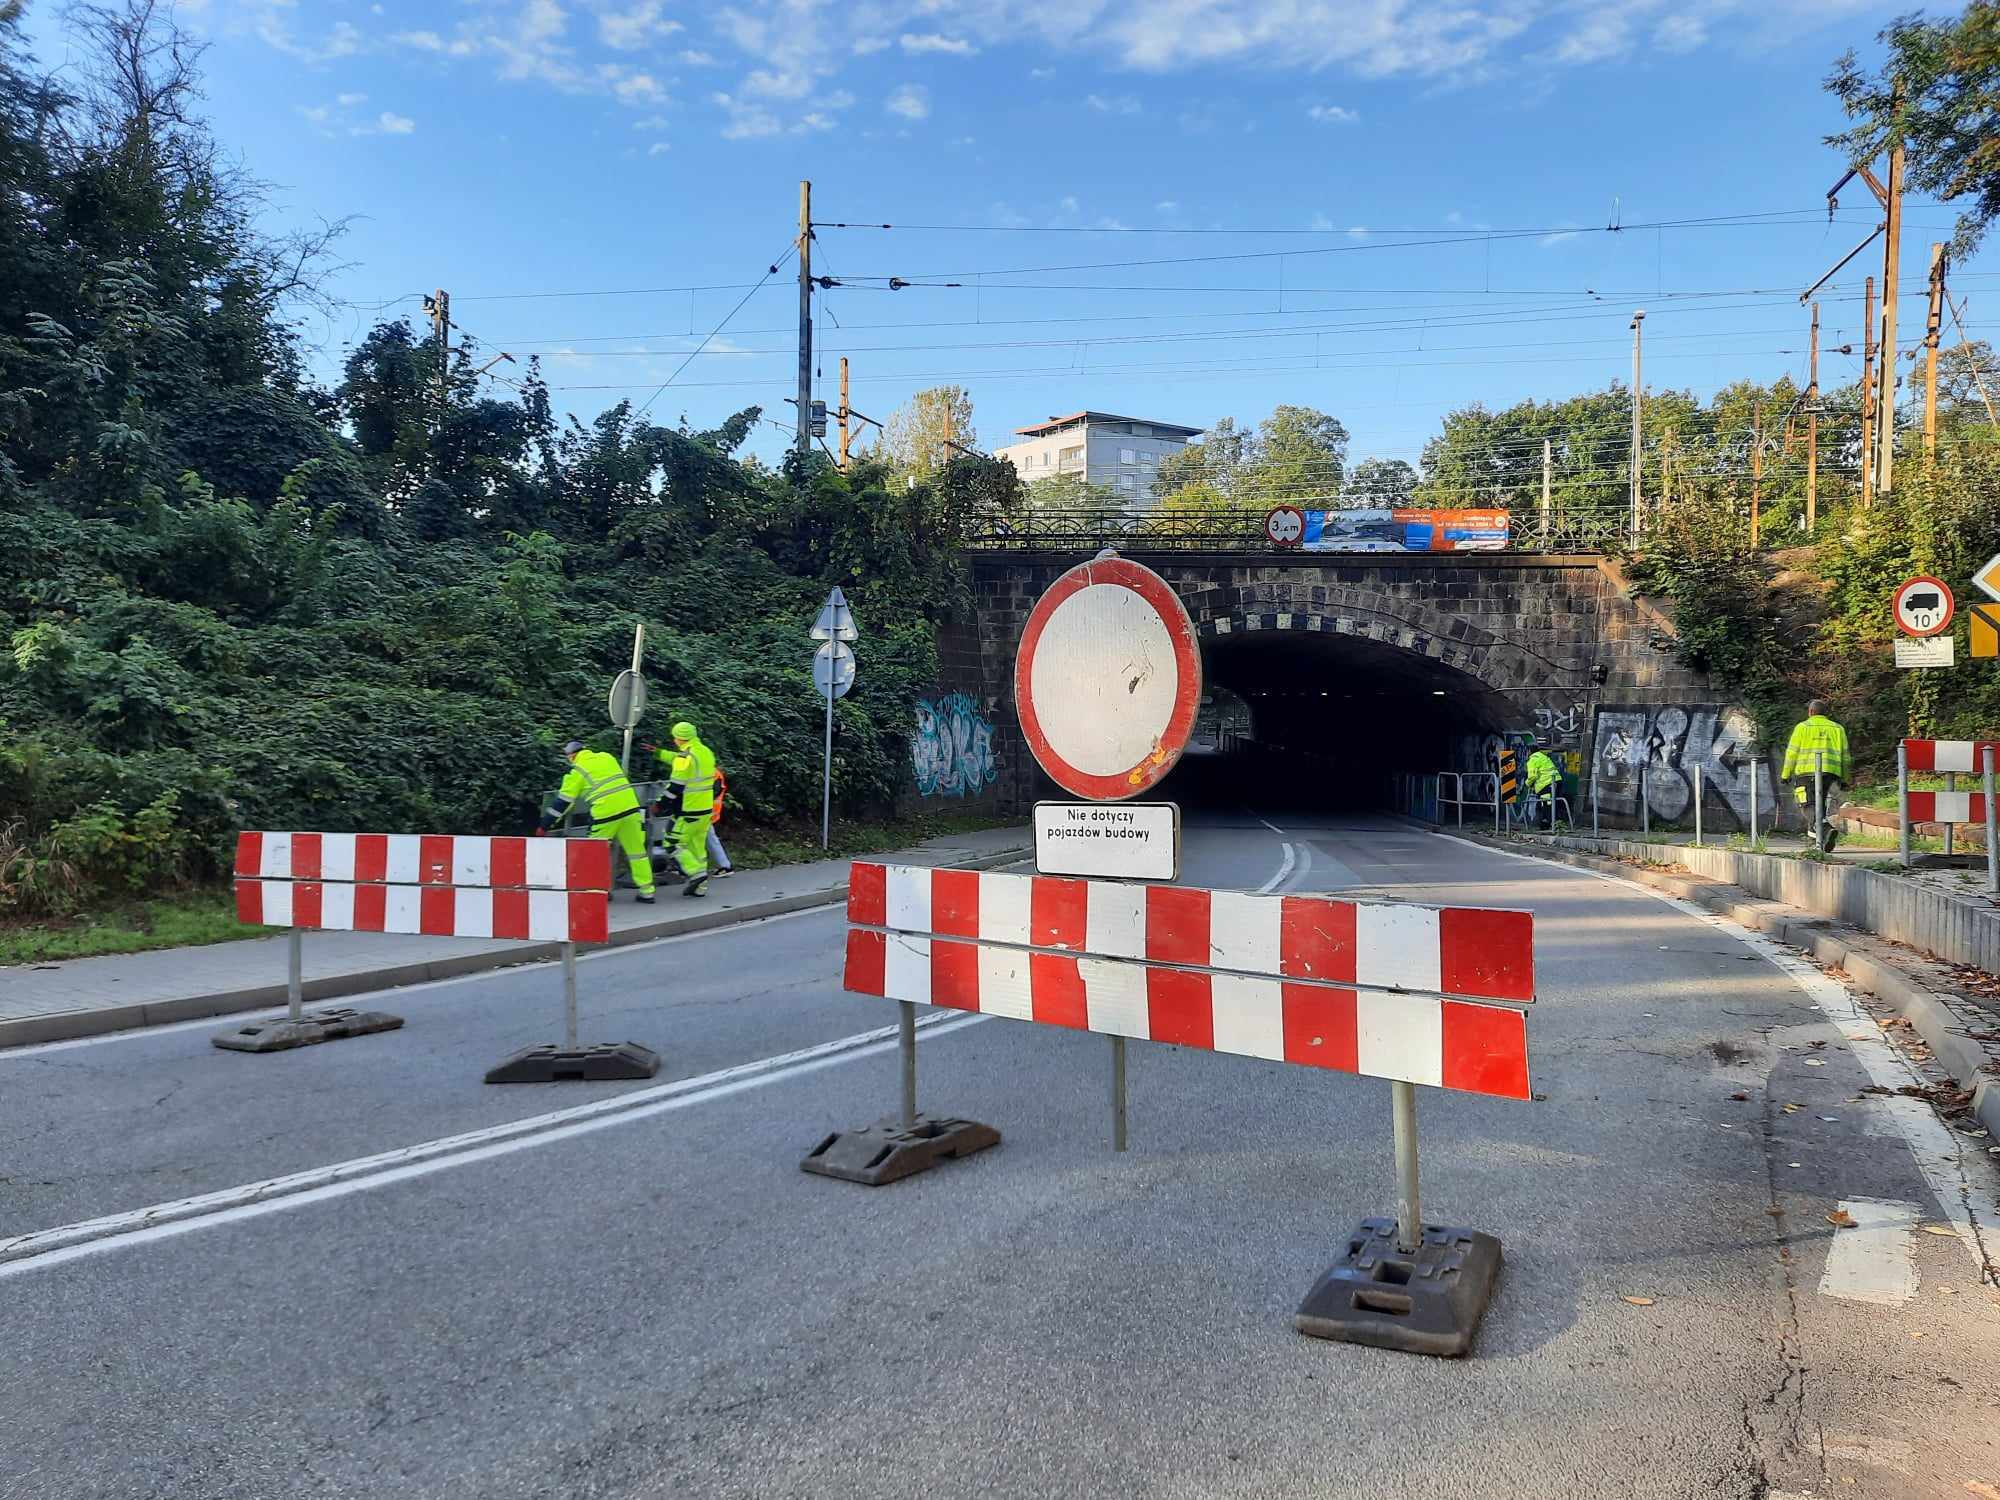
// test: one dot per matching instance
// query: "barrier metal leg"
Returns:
(1903, 803)
(1950, 785)
(1992, 852)
(1402, 1283)
(602, 1062)
(1697, 806)
(1118, 1093)
(907, 1142)
(301, 1028)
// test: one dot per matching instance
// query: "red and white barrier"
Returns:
(1947, 807)
(1302, 979)
(440, 885)
(1948, 755)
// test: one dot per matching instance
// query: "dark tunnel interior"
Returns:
(1312, 721)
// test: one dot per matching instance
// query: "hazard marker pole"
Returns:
(1409, 1210)
(906, 1047)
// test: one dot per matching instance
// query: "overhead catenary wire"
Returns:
(777, 264)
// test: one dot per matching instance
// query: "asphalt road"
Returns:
(662, 1304)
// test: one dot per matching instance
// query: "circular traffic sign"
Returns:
(833, 668)
(1107, 679)
(1924, 606)
(1285, 526)
(628, 700)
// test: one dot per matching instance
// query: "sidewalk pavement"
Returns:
(89, 996)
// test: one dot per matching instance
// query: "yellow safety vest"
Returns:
(596, 776)
(694, 773)
(1817, 744)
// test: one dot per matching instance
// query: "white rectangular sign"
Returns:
(1114, 840)
(1932, 651)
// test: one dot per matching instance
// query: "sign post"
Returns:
(833, 675)
(628, 698)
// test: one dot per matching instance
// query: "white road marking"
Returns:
(1285, 868)
(1934, 1148)
(235, 1018)
(1875, 1261)
(48, 1247)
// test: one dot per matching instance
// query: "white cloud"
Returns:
(270, 23)
(658, 148)
(349, 100)
(912, 101)
(868, 46)
(1681, 33)
(1117, 104)
(694, 57)
(935, 41)
(633, 88)
(1068, 205)
(747, 121)
(319, 114)
(386, 123)
(651, 122)
(1556, 239)
(1041, 72)
(630, 29)
(1321, 224)
(1332, 114)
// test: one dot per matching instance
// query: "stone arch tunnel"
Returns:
(1326, 673)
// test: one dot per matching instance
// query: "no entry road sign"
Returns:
(1923, 606)
(1107, 679)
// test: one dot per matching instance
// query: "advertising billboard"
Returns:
(1416, 530)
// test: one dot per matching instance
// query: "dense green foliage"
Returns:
(231, 599)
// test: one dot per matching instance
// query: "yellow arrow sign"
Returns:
(1984, 630)
(1988, 579)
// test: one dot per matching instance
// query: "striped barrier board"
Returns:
(1382, 989)
(1510, 781)
(1947, 807)
(1949, 755)
(441, 885)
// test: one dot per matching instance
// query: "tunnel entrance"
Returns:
(1319, 721)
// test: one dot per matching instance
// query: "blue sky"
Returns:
(1401, 204)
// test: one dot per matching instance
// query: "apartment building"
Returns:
(1120, 453)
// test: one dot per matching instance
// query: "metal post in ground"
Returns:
(569, 995)
(1409, 1212)
(1697, 805)
(1593, 793)
(295, 973)
(1903, 803)
(1118, 1093)
(1754, 766)
(1992, 851)
(1645, 807)
(1950, 785)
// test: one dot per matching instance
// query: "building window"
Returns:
(1124, 481)
(1146, 458)
(1127, 456)
(1072, 455)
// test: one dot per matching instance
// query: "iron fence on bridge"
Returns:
(1235, 529)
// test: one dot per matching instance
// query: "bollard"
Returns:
(1903, 802)
(1697, 805)
(1992, 853)
(1118, 1093)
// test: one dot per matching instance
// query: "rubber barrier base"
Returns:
(885, 1152)
(313, 1027)
(601, 1062)
(1426, 1302)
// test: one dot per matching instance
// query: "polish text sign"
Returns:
(1129, 841)
(1107, 679)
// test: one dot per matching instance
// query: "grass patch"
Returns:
(760, 846)
(183, 921)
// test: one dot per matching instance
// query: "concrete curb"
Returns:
(1833, 946)
(66, 1026)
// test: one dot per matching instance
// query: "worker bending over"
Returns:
(596, 777)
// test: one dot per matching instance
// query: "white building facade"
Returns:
(1121, 453)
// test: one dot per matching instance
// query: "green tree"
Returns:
(1381, 482)
(926, 432)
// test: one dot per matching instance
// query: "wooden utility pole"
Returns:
(1638, 318)
(1892, 263)
(845, 436)
(804, 442)
(1548, 466)
(1756, 471)
(440, 311)
(1812, 430)
(1868, 395)
(1933, 325)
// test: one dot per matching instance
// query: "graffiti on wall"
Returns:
(1669, 742)
(952, 749)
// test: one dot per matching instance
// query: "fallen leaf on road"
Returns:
(1840, 1218)
(1638, 1301)
(1792, 1109)
(1776, 1213)
(1739, 1096)
(1944, 1229)
(1949, 1291)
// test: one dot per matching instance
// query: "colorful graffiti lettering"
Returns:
(952, 749)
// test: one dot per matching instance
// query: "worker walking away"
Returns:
(612, 804)
(1818, 745)
(718, 857)
(1544, 780)
(690, 799)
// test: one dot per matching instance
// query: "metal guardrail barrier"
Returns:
(1241, 529)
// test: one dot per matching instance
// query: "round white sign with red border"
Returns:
(1285, 526)
(1924, 606)
(1107, 679)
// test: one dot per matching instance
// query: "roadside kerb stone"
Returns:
(62, 1026)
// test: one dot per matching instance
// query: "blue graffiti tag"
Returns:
(952, 749)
